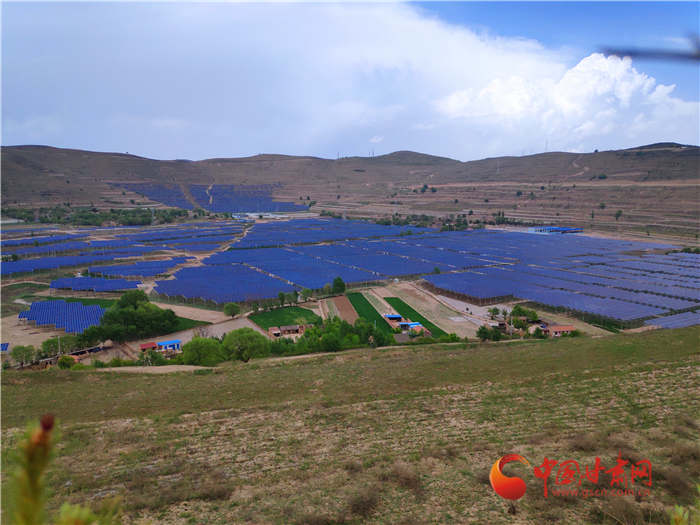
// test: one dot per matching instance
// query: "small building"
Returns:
(148, 346)
(294, 328)
(556, 331)
(175, 344)
(395, 320)
(415, 327)
(275, 331)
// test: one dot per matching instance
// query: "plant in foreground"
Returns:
(34, 454)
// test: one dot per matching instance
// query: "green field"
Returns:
(284, 316)
(407, 312)
(301, 441)
(365, 310)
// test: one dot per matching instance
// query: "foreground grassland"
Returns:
(395, 435)
(284, 316)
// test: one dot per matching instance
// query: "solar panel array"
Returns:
(4, 347)
(93, 284)
(73, 317)
(241, 199)
(41, 240)
(310, 231)
(52, 263)
(223, 284)
(676, 321)
(170, 196)
(140, 269)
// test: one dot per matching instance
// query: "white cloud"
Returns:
(235, 79)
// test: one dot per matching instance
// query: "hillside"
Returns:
(655, 186)
(301, 441)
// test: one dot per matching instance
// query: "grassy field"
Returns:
(284, 316)
(406, 311)
(18, 291)
(395, 435)
(365, 310)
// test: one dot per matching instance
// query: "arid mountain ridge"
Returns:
(656, 186)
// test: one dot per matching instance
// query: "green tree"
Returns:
(538, 333)
(330, 342)
(290, 298)
(433, 189)
(68, 343)
(281, 296)
(617, 214)
(306, 294)
(65, 362)
(436, 270)
(23, 354)
(493, 312)
(483, 333)
(338, 285)
(244, 344)
(602, 205)
(327, 288)
(202, 351)
(496, 334)
(255, 306)
(232, 309)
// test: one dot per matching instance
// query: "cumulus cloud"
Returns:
(209, 80)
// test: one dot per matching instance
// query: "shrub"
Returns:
(65, 362)
(202, 352)
(364, 502)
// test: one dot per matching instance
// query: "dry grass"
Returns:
(364, 502)
(397, 433)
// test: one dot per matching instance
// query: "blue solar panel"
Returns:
(676, 321)
(93, 284)
(223, 284)
(73, 317)
(4, 347)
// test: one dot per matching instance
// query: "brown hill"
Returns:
(655, 186)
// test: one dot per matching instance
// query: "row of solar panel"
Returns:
(94, 284)
(73, 317)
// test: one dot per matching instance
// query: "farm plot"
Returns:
(365, 310)
(407, 312)
(345, 309)
(284, 316)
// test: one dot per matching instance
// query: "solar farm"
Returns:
(217, 198)
(599, 280)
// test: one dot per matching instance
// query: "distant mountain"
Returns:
(655, 185)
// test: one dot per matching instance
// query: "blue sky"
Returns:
(464, 80)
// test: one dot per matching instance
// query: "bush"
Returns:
(244, 344)
(202, 352)
(364, 502)
(80, 366)
(118, 363)
(65, 362)
(152, 358)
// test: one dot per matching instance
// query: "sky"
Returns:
(464, 80)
